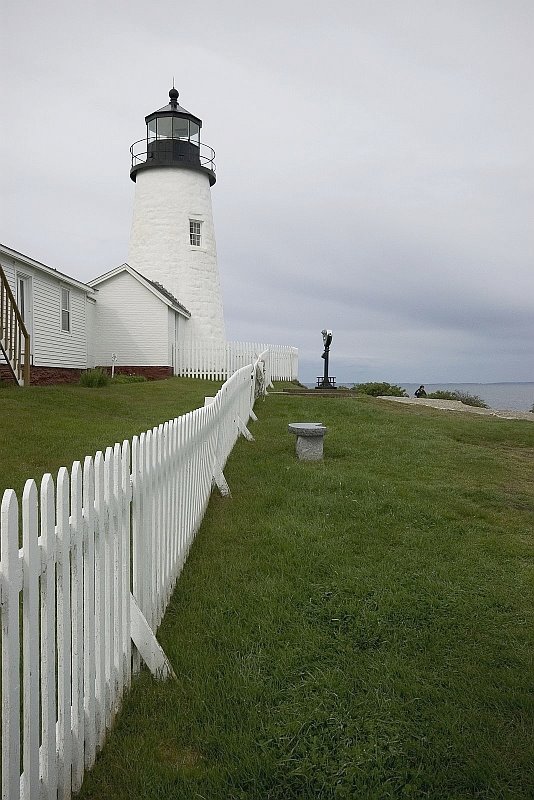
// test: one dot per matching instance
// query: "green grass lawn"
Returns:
(358, 628)
(46, 427)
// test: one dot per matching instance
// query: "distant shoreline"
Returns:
(501, 396)
(457, 406)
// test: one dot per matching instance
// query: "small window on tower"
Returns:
(194, 232)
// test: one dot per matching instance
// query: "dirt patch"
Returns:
(180, 757)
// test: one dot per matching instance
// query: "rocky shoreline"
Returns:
(455, 405)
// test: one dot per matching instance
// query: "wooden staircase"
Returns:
(14, 338)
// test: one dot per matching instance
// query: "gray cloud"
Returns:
(375, 166)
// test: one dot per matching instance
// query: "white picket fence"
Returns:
(205, 359)
(109, 539)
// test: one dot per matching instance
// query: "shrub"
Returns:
(464, 397)
(128, 379)
(94, 378)
(377, 389)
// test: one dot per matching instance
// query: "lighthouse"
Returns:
(172, 241)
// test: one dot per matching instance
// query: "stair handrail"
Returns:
(12, 331)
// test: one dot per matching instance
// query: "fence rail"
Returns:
(114, 531)
(205, 359)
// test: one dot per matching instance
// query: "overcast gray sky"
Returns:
(375, 164)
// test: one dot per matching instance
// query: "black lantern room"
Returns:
(172, 140)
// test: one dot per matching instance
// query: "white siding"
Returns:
(178, 329)
(131, 322)
(181, 335)
(9, 268)
(91, 330)
(50, 345)
(170, 335)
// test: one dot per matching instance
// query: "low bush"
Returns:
(129, 379)
(378, 389)
(464, 397)
(94, 378)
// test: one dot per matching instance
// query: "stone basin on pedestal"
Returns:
(310, 436)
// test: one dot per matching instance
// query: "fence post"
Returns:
(100, 600)
(64, 636)
(10, 647)
(30, 636)
(126, 493)
(76, 545)
(118, 571)
(89, 610)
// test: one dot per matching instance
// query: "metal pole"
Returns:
(327, 340)
(326, 380)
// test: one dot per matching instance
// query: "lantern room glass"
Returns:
(180, 128)
(171, 127)
(164, 127)
(194, 133)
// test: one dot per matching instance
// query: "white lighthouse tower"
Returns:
(173, 240)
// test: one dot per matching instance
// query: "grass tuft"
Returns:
(378, 389)
(462, 397)
(121, 378)
(94, 378)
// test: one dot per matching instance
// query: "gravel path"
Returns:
(455, 405)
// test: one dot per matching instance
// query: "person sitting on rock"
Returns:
(420, 392)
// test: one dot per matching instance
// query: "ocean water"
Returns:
(509, 396)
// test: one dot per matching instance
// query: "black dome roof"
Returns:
(173, 110)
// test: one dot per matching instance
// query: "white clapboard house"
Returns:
(158, 315)
(142, 323)
(67, 326)
(46, 321)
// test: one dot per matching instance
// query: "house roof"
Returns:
(153, 286)
(31, 262)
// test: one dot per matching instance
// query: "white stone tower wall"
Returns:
(166, 199)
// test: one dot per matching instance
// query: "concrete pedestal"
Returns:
(310, 436)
